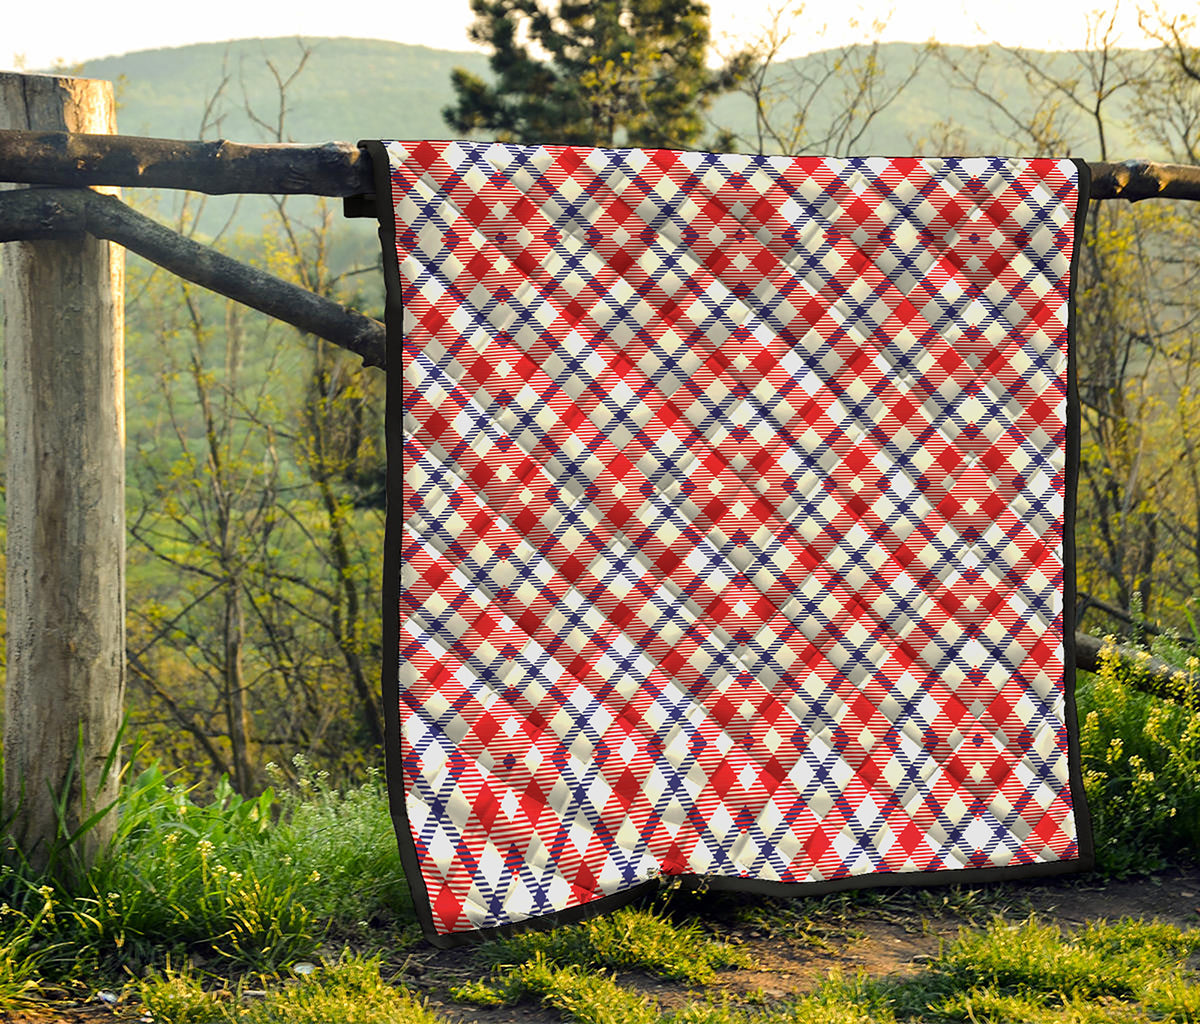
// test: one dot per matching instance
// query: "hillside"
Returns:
(364, 88)
(350, 89)
(360, 88)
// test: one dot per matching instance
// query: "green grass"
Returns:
(1119, 961)
(836, 1002)
(253, 883)
(592, 973)
(348, 991)
(1027, 972)
(1127, 971)
(242, 888)
(630, 939)
(193, 876)
(569, 968)
(346, 836)
(584, 995)
(1007, 973)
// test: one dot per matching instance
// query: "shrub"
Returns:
(1141, 766)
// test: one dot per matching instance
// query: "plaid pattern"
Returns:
(734, 493)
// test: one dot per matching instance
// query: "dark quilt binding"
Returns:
(673, 656)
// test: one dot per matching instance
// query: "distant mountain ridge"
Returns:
(349, 89)
(367, 88)
(353, 89)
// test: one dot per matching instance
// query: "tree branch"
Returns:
(186, 721)
(28, 214)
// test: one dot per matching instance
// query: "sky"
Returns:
(75, 33)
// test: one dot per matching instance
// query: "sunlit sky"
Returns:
(37, 35)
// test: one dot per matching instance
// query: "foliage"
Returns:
(211, 517)
(1141, 766)
(252, 547)
(1123, 481)
(617, 72)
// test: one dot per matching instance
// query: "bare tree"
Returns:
(1073, 97)
(1137, 311)
(1168, 97)
(824, 103)
(341, 427)
(210, 515)
(234, 648)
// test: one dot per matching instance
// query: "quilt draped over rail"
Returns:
(730, 520)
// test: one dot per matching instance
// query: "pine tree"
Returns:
(615, 72)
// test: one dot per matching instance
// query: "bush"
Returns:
(1141, 766)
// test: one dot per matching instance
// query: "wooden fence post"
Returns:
(64, 396)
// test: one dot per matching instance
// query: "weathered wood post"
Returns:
(64, 395)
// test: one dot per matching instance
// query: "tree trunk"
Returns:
(238, 714)
(65, 436)
(347, 632)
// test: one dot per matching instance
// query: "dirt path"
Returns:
(794, 951)
(889, 940)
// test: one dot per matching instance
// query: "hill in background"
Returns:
(366, 88)
(350, 88)
(353, 89)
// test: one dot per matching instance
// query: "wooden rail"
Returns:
(342, 169)
(37, 213)
(68, 162)
(216, 168)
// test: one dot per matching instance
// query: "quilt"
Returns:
(730, 514)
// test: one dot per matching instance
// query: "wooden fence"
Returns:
(64, 400)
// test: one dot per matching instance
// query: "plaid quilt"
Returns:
(730, 520)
